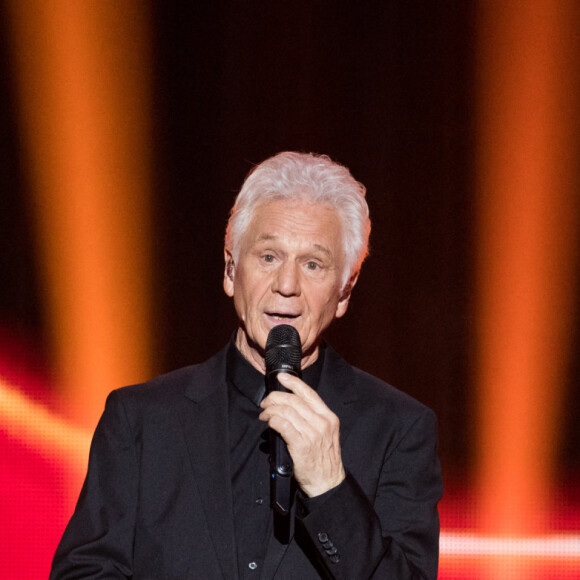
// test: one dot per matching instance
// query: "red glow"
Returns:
(36, 477)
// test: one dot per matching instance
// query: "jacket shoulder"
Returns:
(370, 391)
(196, 380)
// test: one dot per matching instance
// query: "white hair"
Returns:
(313, 178)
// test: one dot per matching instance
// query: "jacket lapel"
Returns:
(337, 388)
(204, 418)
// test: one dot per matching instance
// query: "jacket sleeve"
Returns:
(394, 534)
(98, 541)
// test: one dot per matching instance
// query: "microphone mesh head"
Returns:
(283, 348)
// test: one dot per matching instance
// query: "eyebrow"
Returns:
(266, 237)
(269, 237)
(323, 249)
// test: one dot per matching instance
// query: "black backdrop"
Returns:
(383, 87)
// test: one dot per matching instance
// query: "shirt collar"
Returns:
(250, 382)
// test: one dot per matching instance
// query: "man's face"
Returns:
(288, 272)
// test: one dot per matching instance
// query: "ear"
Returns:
(342, 305)
(229, 273)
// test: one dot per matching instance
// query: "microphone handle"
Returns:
(281, 464)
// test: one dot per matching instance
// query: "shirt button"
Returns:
(252, 565)
(259, 501)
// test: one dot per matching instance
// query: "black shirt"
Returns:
(249, 458)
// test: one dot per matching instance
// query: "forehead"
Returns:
(297, 222)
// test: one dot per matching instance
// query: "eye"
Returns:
(313, 265)
(268, 258)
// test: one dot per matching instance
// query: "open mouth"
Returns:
(282, 316)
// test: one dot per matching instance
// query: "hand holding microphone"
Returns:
(283, 355)
(309, 430)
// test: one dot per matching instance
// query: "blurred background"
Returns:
(126, 130)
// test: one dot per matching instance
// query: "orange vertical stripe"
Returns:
(83, 69)
(527, 235)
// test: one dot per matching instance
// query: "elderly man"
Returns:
(178, 484)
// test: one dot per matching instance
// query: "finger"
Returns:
(301, 399)
(293, 407)
(307, 441)
(302, 390)
(294, 387)
(295, 411)
(302, 415)
(290, 430)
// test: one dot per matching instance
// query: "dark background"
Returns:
(385, 88)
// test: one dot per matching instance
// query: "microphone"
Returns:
(283, 355)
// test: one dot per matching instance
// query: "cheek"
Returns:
(324, 309)
(246, 297)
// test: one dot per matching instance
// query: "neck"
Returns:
(254, 354)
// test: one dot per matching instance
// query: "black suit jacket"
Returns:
(157, 499)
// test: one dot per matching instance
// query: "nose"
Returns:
(287, 280)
